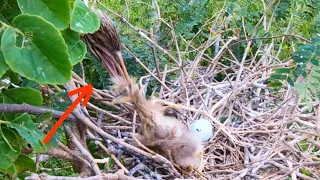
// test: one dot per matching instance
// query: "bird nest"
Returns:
(259, 132)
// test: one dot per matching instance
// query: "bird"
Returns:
(155, 124)
(159, 131)
(185, 151)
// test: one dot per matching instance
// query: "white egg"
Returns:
(202, 128)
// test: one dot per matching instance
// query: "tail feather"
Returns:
(105, 45)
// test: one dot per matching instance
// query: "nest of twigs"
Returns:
(259, 133)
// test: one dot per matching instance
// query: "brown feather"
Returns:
(105, 45)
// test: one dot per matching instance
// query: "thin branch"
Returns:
(272, 37)
(83, 151)
(119, 175)
(138, 60)
(22, 108)
(154, 52)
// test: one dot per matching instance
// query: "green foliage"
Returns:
(307, 65)
(95, 73)
(9, 148)
(57, 12)
(295, 17)
(23, 95)
(23, 163)
(27, 129)
(283, 10)
(187, 17)
(306, 172)
(65, 168)
(20, 96)
(12, 161)
(76, 48)
(23, 50)
(3, 66)
(30, 33)
(308, 9)
(83, 20)
(37, 47)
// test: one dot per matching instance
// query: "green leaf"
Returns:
(307, 47)
(43, 117)
(303, 53)
(24, 163)
(83, 20)
(300, 69)
(14, 77)
(30, 84)
(278, 76)
(9, 149)
(275, 84)
(24, 95)
(315, 62)
(290, 81)
(27, 129)
(39, 53)
(58, 136)
(76, 48)
(10, 171)
(299, 59)
(305, 172)
(3, 66)
(283, 70)
(57, 12)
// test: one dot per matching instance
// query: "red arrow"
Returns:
(85, 92)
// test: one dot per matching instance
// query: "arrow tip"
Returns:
(84, 92)
(46, 140)
(87, 91)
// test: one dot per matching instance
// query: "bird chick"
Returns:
(155, 124)
(164, 133)
(185, 151)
